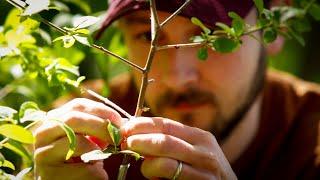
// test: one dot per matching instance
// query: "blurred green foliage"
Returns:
(14, 90)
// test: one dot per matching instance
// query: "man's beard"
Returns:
(221, 127)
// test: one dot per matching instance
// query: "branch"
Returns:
(175, 13)
(177, 46)
(155, 27)
(108, 102)
(65, 32)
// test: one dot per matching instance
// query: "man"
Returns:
(266, 129)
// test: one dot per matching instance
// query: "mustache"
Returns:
(190, 96)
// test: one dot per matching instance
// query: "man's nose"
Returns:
(183, 68)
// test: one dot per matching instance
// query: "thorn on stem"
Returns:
(151, 81)
(145, 109)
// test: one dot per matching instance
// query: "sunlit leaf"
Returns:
(71, 137)
(17, 133)
(197, 22)
(6, 112)
(136, 155)
(36, 6)
(28, 106)
(83, 31)
(15, 38)
(68, 41)
(8, 164)
(18, 148)
(94, 156)
(114, 133)
(84, 21)
(83, 40)
(5, 51)
(197, 39)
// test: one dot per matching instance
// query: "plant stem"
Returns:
(110, 103)
(177, 46)
(175, 13)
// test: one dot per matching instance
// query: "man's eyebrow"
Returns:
(137, 20)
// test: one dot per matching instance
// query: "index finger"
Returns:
(147, 125)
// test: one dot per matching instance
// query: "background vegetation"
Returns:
(16, 89)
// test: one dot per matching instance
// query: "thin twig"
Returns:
(106, 51)
(177, 46)
(175, 13)
(65, 32)
(109, 103)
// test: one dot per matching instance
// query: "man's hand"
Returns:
(164, 142)
(85, 117)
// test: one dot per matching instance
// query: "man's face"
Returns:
(204, 94)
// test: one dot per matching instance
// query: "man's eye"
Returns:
(146, 36)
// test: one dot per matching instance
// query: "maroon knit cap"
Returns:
(208, 11)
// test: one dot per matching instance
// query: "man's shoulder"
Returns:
(299, 86)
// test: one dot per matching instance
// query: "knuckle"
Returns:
(208, 137)
(79, 103)
(160, 143)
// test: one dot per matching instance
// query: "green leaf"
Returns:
(36, 6)
(238, 23)
(94, 155)
(68, 41)
(8, 164)
(197, 22)
(7, 112)
(1, 159)
(136, 155)
(296, 36)
(259, 4)
(65, 65)
(202, 53)
(17, 133)
(83, 31)
(84, 21)
(197, 39)
(314, 11)
(31, 115)
(71, 137)
(225, 27)
(302, 25)
(85, 40)
(26, 107)
(18, 148)
(114, 133)
(269, 35)
(5, 51)
(225, 45)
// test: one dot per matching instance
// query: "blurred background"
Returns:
(301, 61)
